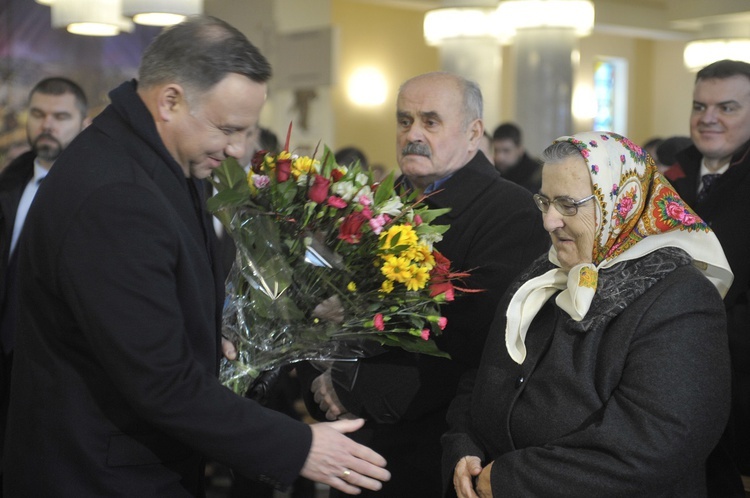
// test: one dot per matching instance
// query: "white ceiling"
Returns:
(659, 19)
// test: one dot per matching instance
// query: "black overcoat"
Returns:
(495, 232)
(628, 409)
(114, 389)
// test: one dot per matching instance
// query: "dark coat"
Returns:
(496, 231)
(526, 173)
(632, 408)
(13, 181)
(114, 389)
(723, 209)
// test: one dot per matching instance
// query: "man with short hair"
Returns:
(114, 389)
(511, 159)
(713, 176)
(495, 232)
(57, 110)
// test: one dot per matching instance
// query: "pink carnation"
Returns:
(442, 322)
(261, 181)
(425, 334)
(377, 223)
(378, 322)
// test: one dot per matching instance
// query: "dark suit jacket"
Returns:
(13, 180)
(629, 409)
(723, 210)
(496, 231)
(114, 389)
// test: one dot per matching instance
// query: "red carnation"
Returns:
(442, 264)
(444, 287)
(337, 202)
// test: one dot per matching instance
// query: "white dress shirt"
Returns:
(23, 205)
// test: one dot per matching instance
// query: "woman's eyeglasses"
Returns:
(565, 205)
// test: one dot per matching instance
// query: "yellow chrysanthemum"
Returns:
(419, 278)
(397, 269)
(386, 287)
(420, 254)
(303, 165)
(351, 287)
(406, 233)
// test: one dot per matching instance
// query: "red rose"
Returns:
(337, 175)
(351, 229)
(283, 170)
(319, 189)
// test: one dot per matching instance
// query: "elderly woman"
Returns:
(606, 372)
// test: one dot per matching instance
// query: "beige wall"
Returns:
(391, 40)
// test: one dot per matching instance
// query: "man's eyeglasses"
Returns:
(564, 205)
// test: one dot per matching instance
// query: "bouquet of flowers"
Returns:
(327, 260)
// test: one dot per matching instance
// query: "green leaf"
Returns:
(328, 163)
(430, 214)
(385, 189)
(227, 199)
(229, 175)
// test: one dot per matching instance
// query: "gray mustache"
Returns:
(416, 148)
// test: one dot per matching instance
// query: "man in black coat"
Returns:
(512, 160)
(114, 389)
(495, 233)
(713, 176)
(57, 110)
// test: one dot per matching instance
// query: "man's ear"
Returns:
(476, 130)
(171, 101)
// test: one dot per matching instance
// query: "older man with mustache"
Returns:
(495, 232)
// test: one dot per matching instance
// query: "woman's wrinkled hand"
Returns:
(463, 476)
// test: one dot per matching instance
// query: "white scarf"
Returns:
(643, 214)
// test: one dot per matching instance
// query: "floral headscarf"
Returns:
(637, 213)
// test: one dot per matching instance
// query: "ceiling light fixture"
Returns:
(161, 12)
(462, 22)
(522, 14)
(700, 53)
(90, 17)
